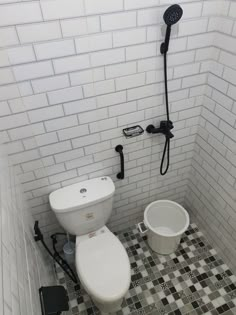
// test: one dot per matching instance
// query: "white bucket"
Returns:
(165, 222)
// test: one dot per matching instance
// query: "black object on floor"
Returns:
(54, 300)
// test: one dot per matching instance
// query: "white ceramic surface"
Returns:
(104, 269)
(79, 211)
(81, 195)
(102, 263)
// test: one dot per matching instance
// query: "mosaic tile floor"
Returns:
(193, 280)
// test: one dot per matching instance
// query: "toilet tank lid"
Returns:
(82, 194)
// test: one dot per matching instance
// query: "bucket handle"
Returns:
(142, 227)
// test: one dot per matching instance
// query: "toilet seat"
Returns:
(103, 267)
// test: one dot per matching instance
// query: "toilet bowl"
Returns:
(102, 263)
(103, 268)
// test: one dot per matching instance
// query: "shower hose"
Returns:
(166, 151)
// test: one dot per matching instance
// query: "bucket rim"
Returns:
(146, 222)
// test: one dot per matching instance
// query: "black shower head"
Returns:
(173, 14)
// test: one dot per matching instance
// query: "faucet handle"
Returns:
(150, 128)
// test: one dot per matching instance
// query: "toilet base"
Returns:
(107, 308)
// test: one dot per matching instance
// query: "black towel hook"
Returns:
(119, 149)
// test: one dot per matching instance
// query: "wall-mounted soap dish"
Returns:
(133, 131)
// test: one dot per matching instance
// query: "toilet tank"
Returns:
(84, 207)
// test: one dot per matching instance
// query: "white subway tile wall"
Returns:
(87, 69)
(211, 194)
(22, 267)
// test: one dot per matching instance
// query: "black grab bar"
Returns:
(119, 149)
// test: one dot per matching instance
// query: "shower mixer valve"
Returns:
(165, 127)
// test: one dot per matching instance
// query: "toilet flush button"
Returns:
(83, 190)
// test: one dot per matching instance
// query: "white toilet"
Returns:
(102, 263)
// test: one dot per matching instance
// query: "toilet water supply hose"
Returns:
(55, 256)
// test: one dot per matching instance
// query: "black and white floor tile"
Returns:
(193, 280)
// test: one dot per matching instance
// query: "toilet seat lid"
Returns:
(103, 267)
